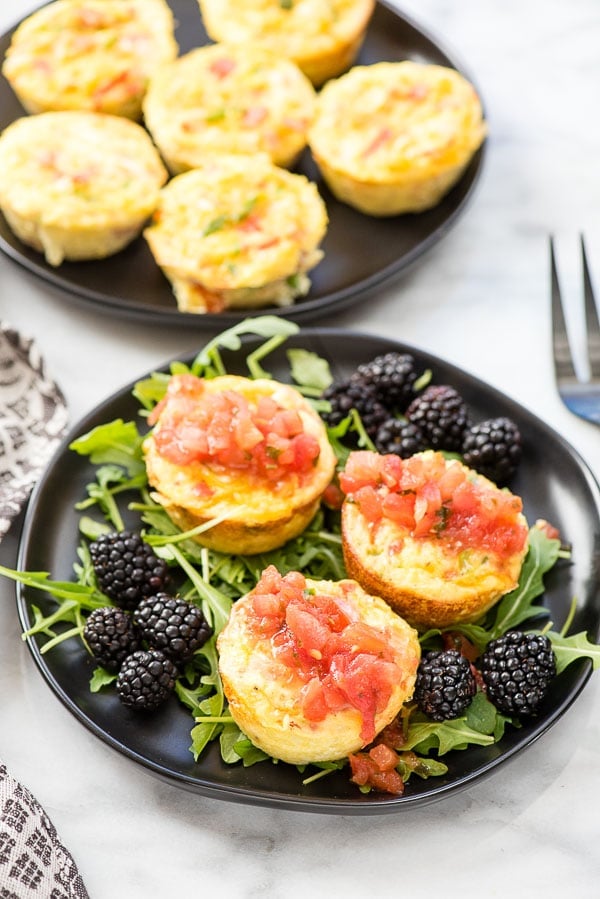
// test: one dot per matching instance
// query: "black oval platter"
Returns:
(361, 253)
(555, 484)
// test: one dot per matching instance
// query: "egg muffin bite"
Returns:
(78, 185)
(322, 38)
(250, 457)
(314, 670)
(394, 137)
(439, 542)
(236, 98)
(89, 55)
(237, 232)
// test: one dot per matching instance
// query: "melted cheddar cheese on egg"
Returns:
(89, 54)
(239, 99)
(249, 459)
(394, 137)
(78, 185)
(323, 39)
(439, 542)
(314, 670)
(237, 232)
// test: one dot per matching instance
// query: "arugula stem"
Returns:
(317, 776)
(569, 619)
(363, 438)
(253, 359)
(73, 632)
(78, 594)
(219, 604)
(214, 719)
(167, 539)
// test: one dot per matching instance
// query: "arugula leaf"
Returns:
(411, 763)
(75, 598)
(117, 443)
(110, 481)
(262, 325)
(309, 370)
(444, 736)
(248, 752)
(80, 594)
(150, 391)
(209, 726)
(567, 649)
(517, 606)
(101, 678)
(235, 747)
(481, 715)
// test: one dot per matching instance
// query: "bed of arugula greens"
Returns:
(215, 581)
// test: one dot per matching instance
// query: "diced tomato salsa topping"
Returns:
(225, 429)
(431, 497)
(343, 662)
(377, 769)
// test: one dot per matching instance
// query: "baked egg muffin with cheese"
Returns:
(229, 98)
(78, 185)
(439, 542)
(249, 459)
(394, 137)
(322, 38)
(237, 232)
(314, 670)
(89, 54)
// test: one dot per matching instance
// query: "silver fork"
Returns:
(580, 395)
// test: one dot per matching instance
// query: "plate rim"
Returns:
(373, 804)
(306, 308)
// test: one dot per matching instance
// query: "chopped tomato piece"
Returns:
(254, 116)
(362, 469)
(313, 700)
(377, 769)
(222, 67)
(333, 496)
(400, 508)
(369, 502)
(383, 136)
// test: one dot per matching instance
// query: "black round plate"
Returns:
(554, 482)
(361, 253)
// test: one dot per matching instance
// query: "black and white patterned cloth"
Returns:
(33, 862)
(33, 418)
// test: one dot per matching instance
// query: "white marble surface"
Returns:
(479, 299)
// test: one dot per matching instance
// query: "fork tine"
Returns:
(563, 362)
(591, 316)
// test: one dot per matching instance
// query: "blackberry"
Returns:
(493, 448)
(517, 669)
(391, 376)
(442, 415)
(127, 569)
(354, 394)
(171, 624)
(146, 679)
(111, 636)
(445, 684)
(404, 438)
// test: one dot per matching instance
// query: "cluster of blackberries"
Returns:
(403, 420)
(515, 670)
(148, 632)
